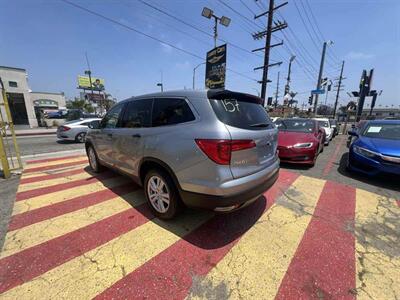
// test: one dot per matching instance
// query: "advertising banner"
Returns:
(84, 83)
(216, 68)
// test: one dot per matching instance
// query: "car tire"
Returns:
(162, 194)
(80, 137)
(94, 162)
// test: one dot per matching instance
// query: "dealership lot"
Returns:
(318, 233)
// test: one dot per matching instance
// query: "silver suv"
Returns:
(214, 149)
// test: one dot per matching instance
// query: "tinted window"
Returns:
(241, 114)
(110, 120)
(12, 84)
(167, 111)
(137, 114)
(305, 126)
(323, 123)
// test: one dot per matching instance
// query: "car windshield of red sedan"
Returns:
(306, 126)
(383, 131)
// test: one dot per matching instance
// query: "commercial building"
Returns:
(382, 113)
(25, 105)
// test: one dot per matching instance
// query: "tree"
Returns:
(324, 110)
(80, 104)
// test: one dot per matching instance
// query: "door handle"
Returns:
(137, 135)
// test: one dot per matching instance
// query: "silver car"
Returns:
(214, 149)
(75, 130)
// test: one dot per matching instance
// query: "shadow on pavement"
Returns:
(290, 166)
(383, 181)
(219, 229)
(66, 142)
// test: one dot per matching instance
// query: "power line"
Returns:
(239, 14)
(145, 34)
(248, 8)
(192, 26)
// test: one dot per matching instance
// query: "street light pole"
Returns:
(194, 73)
(208, 13)
(287, 86)
(321, 69)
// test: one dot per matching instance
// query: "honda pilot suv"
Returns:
(214, 149)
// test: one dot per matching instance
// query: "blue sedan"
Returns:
(376, 148)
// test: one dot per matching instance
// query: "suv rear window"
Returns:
(241, 114)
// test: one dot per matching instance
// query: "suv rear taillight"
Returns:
(64, 128)
(220, 151)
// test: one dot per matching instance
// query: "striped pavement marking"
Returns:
(377, 230)
(79, 235)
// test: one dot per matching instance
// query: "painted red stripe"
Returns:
(62, 186)
(398, 202)
(38, 161)
(61, 208)
(323, 266)
(51, 176)
(329, 165)
(170, 274)
(53, 167)
(32, 262)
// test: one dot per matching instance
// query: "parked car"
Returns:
(299, 140)
(213, 149)
(75, 130)
(326, 125)
(375, 148)
(334, 126)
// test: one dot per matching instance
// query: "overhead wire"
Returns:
(145, 34)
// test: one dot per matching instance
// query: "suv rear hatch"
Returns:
(249, 124)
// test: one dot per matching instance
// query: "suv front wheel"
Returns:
(162, 194)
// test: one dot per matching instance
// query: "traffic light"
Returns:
(310, 100)
(269, 101)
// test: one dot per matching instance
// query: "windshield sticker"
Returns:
(374, 129)
(231, 105)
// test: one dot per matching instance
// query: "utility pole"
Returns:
(321, 69)
(287, 86)
(365, 86)
(277, 91)
(338, 90)
(268, 33)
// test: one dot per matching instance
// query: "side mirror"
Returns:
(94, 124)
(352, 133)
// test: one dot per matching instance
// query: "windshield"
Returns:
(323, 123)
(306, 126)
(383, 131)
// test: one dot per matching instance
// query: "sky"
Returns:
(50, 38)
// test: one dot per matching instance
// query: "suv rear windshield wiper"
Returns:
(260, 125)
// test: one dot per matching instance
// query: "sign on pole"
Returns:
(317, 92)
(216, 68)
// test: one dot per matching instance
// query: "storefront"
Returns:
(25, 105)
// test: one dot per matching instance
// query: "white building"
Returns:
(25, 105)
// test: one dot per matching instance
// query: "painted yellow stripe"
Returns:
(55, 163)
(377, 227)
(38, 233)
(55, 171)
(63, 195)
(88, 275)
(256, 265)
(47, 183)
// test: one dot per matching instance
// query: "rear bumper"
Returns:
(231, 202)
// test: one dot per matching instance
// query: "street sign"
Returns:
(317, 92)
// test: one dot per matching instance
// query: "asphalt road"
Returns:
(32, 145)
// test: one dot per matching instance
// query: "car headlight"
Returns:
(365, 152)
(303, 145)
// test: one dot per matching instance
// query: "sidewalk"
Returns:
(33, 131)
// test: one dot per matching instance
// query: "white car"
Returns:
(326, 125)
(75, 130)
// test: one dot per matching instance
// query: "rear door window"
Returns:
(170, 111)
(241, 113)
(137, 114)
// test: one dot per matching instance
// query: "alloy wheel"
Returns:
(158, 194)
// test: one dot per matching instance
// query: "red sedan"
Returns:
(299, 140)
